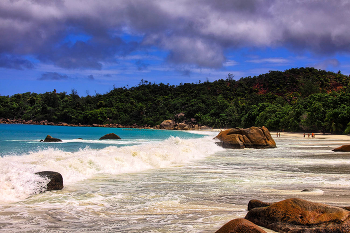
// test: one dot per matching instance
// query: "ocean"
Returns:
(155, 180)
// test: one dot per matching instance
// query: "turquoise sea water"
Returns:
(17, 139)
(155, 180)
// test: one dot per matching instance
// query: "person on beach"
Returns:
(312, 135)
(304, 135)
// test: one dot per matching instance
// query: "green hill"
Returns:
(299, 99)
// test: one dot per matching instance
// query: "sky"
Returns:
(94, 46)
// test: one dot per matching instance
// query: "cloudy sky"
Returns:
(92, 46)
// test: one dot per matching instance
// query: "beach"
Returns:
(180, 181)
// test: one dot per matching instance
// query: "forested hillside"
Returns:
(303, 99)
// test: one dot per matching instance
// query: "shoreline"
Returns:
(292, 135)
(187, 128)
(331, 196)
(180, 126)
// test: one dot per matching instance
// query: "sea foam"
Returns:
(17, 179)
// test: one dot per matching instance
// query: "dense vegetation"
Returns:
(303, 99)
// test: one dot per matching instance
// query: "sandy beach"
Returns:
(331, 137)
(339, 197)
(332, 196)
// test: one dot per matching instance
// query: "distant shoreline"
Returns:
(134, 126)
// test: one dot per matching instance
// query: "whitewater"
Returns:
(155, 180)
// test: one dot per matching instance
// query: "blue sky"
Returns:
(93, 46)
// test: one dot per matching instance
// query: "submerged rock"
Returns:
(297, 215)
(51, 139)
(110, 136)
(240, 225)
(56, 180)
(253, 137)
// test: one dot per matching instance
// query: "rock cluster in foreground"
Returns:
(253, 137)
(293, 216)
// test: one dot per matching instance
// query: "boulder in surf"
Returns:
(51, 139)
(55, 180)
(110, 136)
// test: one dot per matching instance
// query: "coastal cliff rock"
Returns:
(297, 215)
(56, 180)
(240, 225)
(110, 136)
(51, 139)
(253, 137)
(344, 148)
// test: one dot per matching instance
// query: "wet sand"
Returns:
(339, 197)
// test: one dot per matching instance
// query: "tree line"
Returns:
(298, 99)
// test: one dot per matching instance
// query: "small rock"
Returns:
(51, 139)
(110, 136)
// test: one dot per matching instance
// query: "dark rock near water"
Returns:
(110, 136)
(344, 148)
(56, 180)
(253, 137)
(240, 225)
(297, 215)
(51, 139)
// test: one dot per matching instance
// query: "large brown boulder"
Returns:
(297, 215)
(51, 139)
(110, 136)
(253, 137)
(240, 225)
(182, 126)
(168, 124)
(344, 148)
(55, 180)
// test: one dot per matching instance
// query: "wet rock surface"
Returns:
(55, 180)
